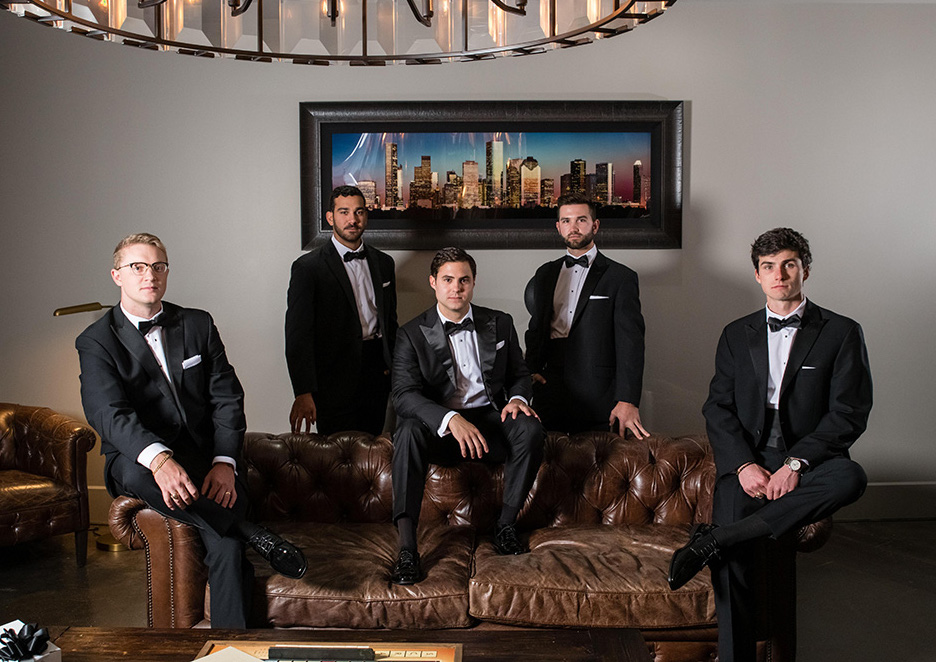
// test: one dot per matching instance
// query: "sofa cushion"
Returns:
(591, 576)
(348, 584)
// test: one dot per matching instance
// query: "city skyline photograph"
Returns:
(465, 170)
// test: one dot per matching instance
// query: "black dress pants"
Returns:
(366, 410)
(230, 574)
(821, 491)
(518, 443)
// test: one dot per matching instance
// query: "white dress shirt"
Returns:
(469, 382)
(363, 287)
(779, 344)
(156, 340)
(568, 290)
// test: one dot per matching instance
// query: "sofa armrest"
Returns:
(176, 574)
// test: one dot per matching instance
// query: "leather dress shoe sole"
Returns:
(688, 561)
(284, 557)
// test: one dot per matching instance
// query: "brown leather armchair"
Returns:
(43, 476)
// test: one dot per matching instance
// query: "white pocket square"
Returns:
(387, 284)
(808, 367)
(189, 362)
(499, 345)
(598, 296)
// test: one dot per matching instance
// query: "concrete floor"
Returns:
(868, 595)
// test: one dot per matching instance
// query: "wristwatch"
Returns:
(795, 465)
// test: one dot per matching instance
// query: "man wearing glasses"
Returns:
(157, 387)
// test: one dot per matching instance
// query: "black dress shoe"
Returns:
(284, 557)
(689, 560)
(506, 541)
(407, 570)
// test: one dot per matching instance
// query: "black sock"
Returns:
(246, 530)
(508, 516)
(745, 529)
(406, 527)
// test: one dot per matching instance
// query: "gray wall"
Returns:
(818, 116)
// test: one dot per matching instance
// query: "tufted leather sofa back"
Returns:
(591, 478)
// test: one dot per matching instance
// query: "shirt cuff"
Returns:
(443, 429)
(520, 398)
(147, 455)
(226, 460)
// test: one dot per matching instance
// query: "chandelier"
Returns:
(356, 32)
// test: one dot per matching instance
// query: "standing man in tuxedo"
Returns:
(585, 341)
(461, 391)
(341, 325)
(157, 387)
(791, 394)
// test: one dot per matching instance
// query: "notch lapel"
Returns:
(135, 344)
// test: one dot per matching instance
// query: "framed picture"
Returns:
(487, 174)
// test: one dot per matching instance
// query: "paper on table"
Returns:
(229, 654)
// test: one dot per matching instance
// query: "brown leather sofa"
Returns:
(43, 476)
(604, 518)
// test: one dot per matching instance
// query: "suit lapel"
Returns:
(805, 338)
(757, 345)
(336, 266)
(174, 333)
(595, 272)
(374, 270)
(431, 327)
(547, 292)
(131, 338)
(486, 332)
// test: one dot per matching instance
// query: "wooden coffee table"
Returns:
(85, 644)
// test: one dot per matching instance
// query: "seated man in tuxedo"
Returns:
(791, 393)
(461, 391)
(157, 387)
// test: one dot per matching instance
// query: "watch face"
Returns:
(794, 464)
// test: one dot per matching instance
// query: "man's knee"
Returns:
(525, 433)
(850, 482)
(409, 431)
(843, 480)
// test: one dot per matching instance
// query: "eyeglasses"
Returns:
(139, 268)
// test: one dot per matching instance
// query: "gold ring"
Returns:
(227, 494)
(174, 497)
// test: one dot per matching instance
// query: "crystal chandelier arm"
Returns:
(237, 8)
(425, 19)
(519, 9)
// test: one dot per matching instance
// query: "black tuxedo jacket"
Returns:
(129, 402)
(424, 376)
(825, 396)
(323, 329)
(605, 354)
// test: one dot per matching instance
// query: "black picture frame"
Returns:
(659, 226)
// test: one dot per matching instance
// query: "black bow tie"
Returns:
(572, 261)
(464, 325)
(162, 320)
(353, 255)
(775, 323)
